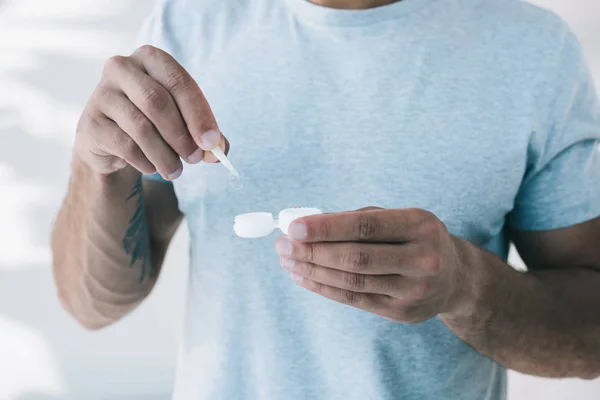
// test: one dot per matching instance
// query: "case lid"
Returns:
(261, 224)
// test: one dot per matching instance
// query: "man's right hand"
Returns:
(147, 112)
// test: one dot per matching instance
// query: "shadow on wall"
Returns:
(3, 4)
(27, 294)
(36, 161)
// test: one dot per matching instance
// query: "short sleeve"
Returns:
(561, 186)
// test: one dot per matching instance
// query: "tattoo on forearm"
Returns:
(136, 242)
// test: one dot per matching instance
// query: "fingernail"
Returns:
(287, 263)
(284, 248)
(296, 278)
(297, 231)
(196, 156)
(210, 139)
(175, 174)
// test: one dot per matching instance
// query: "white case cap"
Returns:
(287, 216)
(254, 225)
(261, 224)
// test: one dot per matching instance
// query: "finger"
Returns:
(110, 139)
(385, 226)
(119, 108)
(209, 157)
(391, 285)
(408, 259)
(155, 101)
(188, 96)
(373, 303)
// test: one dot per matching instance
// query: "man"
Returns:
(433, 133)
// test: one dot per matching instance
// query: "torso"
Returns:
(410, 113)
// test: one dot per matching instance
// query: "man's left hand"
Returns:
(401, 264)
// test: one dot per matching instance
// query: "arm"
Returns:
(99, 279)
(545, 322)
(405, 266)
(146, 115)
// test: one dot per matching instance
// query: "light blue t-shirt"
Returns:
(481, 111)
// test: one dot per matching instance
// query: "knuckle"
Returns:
(325, 229)
(354, 281)
(431, 225)
(431, 263)
(155, 99)
(146, 51)
(183, 144)
(402, 303)
(90, 124)
(176, 82)
(366, 227)
(91, 116)
(118, 163)
(125, 143)
(129, 146)
(420, 290)
(141, 124)
(115, 63)
(358, 259)
(183, 140)
(101, 95)
(311, 251)
(310, 271)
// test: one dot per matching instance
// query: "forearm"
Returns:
(544, 323)
(101, 246)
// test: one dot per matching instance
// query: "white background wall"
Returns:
(51, 55)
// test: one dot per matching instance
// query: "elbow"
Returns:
(591, 373)
(93, 326)
(590, 377)
(90, 324)
(93, 304)
(89, 320)
(85, 315)
(567, 366)
(90, 303)
(89, 311)
(81, 307)
(587, 368)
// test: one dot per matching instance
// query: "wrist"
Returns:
(118, 181)
(470, 283)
